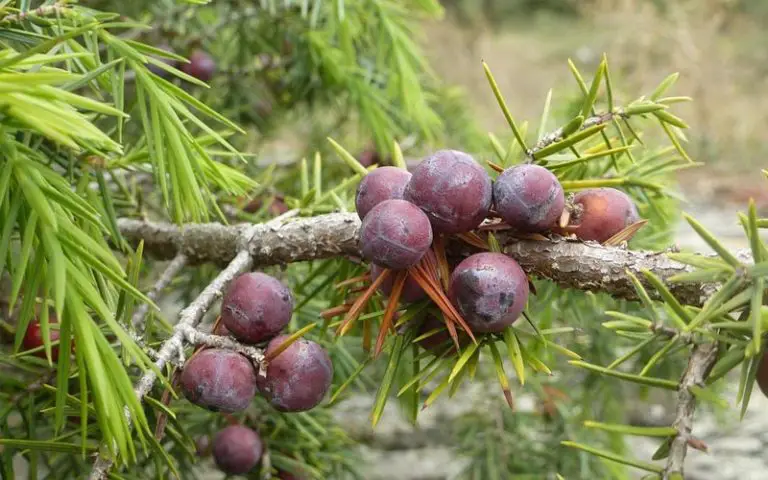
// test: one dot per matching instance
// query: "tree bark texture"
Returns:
(571, 264)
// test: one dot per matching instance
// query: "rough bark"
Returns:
(701, 362)
(571, 264)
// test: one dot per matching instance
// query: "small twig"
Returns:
(42, 11)
(33, 387)
(179, 262)
(190, 317)
(670, 332)
(701, 362)
(557, 135)
(196, 337)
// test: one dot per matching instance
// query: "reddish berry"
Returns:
(237, 449)
(298, 378)
(276, 206)
(762, 374)
(529, 198)
(489, 290)
(601, 213)
(33, 338)
(256, 307)
(453, 190)
(201, 66)
(395, 234)
(384, 183)
(368, 157)
(219, 380)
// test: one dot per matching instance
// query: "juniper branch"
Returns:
(571, 264)
(190, 317)
(700, 363)
(42, 11)
(137, 320)
(557, 135)
(196, 337)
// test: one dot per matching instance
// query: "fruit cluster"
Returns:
(255, 310)
(404, 214)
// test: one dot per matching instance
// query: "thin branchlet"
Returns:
(186, 332)
(193, 336)
(700, 364)
(137, 320)
(173, 346)
(42, 11)
(558, 134)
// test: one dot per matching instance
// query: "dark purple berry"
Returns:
(489, 290)
(762, 374)
(298, 378)
(453, 190)
(237, 449)
(256, 307)
(529, 198)
(384, 183)
(201, 66)
(601, 213)
(219, 380)
(33, 338)
(395, 234)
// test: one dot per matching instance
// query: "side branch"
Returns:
(559, 134)
(188, 319)
(185, 331)
(701, 362)
(137, 320)
(571, 264)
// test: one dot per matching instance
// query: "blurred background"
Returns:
(716, 45)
